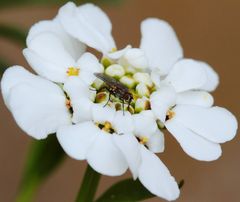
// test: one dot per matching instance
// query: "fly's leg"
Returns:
(123, 107)
(109, 99)
(129, 102)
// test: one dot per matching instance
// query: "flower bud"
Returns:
(116, 71)
(142, 90)
(128, 81)
(106, 62)
(160, 124)
(142, 104)
(145, 78)
(119, 107)
(97, 84)
(102, 97)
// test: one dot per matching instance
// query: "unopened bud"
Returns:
(142, 104)
(106, 62)
(119, 107)
(160, 124)
(116, 71)
(97, 84)
(145, 78)
(128, 81)
(142, 90)
(101, 97)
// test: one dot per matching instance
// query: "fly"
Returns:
(116, 88)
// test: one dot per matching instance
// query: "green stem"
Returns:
(27, 191)
(89, 186)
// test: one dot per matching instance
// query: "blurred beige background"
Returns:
(208, 30)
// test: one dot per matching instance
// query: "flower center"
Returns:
(73, 71)
(123, 88)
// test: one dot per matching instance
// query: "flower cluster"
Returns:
(168, 91)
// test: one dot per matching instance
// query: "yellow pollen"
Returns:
(107, 126)
(170, 114)
(73, 71)
(68, 103)
(113, 50)
(143, 140)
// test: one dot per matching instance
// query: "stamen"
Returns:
(143, 140)
(73, 71)
(68, 103)
(113, 50)
(107, 126)
(170, 114)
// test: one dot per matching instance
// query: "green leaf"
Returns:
(43, 158)
(12, 33)
(127, 191)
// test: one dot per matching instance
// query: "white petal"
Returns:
(130, 148)
(136, 58)
(155, 77)
(12, 77)
(76, 139)
(105, 157)
(51, 48)
(47, 55)
(115, 55)
(187, 74)
(216, 124)
(144, 126)
(76, 88)
(89, 24)
(160, 44)
(148, 113)
(156, 142)
(80, 96)
(162, 100)
(200, 98)
(89, 62)
(155, 176)
(123, 123)
(212, 79)
(38, 106)
(102, 114)
(73, 46)
(194, 145)
(89, 65)
(45, 68)
(81, 110)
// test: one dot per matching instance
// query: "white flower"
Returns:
(55, 55)
(93, 119)
(179, 83)
(112, 142)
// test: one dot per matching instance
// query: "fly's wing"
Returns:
(110, 81)
(105, 78)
